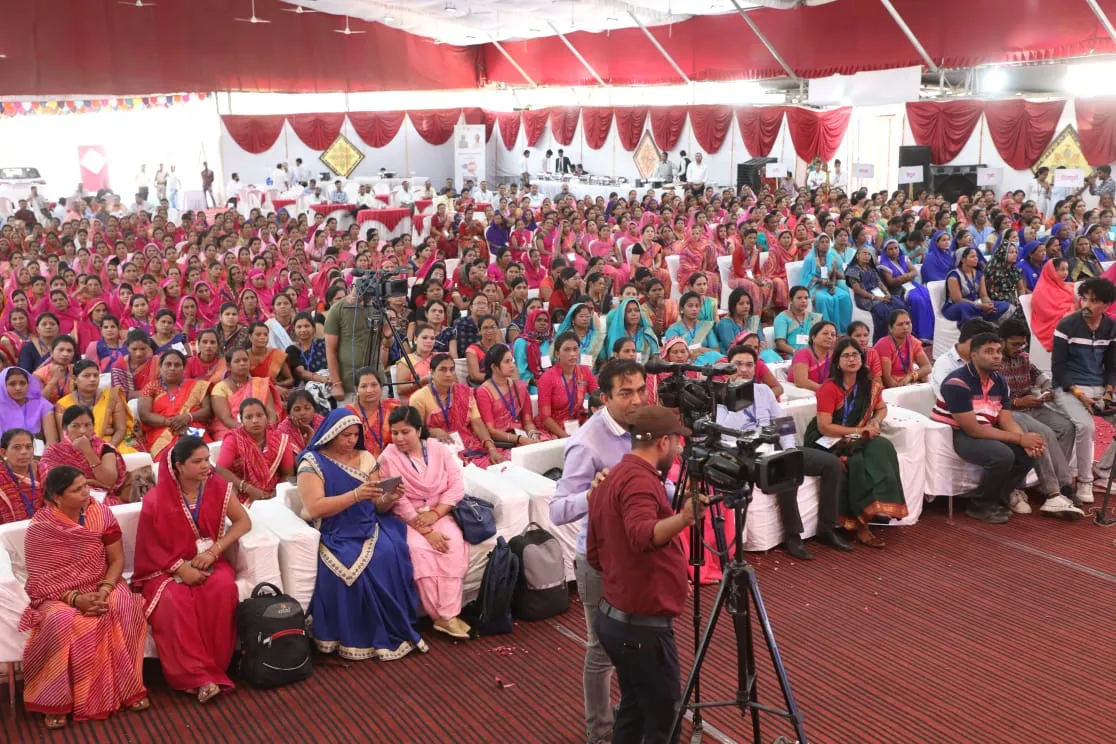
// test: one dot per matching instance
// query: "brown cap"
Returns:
(651, 422)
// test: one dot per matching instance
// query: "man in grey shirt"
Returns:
(664, 171)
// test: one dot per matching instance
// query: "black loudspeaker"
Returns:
(954, 180)
(751, 172)
(916, 155)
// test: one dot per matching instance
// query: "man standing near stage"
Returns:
(633, 541)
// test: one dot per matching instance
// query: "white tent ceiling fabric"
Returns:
(467, 22)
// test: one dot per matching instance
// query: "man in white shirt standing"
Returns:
(695, 176)
(525, 168)
(279, 177)
(143, 182)
(233, 189)
(174, 185)
(302, 174)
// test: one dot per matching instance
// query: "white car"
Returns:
(16, 183)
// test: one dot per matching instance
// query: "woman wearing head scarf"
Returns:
(1031, 258)
(22, 405)
(580, 320)
(532, 348)
(939, 257)
(823, 276)
(870, 292)
(629, 321)
(967, 294)
(1004, 277)
(1052, 301)
(900, 277)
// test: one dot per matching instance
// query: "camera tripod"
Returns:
(739, 590)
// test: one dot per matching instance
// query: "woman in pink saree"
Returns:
(774, 270)
(746, 268)
(650, 254)
(697, 254)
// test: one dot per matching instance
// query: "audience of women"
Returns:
(187, 522)
(79, 447)
(254, 457)
(564, 388)
(87, 630)
(365, 603)
(869, 291)
(504, 403)
(449, 411)
(432, 486)
(240, 384)
(172, 405)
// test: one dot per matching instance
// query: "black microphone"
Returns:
(657, 366)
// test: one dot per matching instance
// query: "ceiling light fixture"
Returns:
(451, 8)
(389, 19)
(1091, 79)
(993, 80)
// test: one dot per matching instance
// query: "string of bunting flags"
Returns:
(86, 105)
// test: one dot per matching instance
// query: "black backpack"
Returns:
(490, 613)
(541, 591)
(274, 645)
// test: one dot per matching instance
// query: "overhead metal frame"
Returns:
(1102, 18)
(763, 40)
(573, 50)
(511, 60)
(910, 34)
(657, 45)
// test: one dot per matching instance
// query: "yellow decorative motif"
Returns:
(342, 157)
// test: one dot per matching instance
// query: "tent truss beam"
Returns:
(763, 40)
(573, 50)
(511, 60)
(909, 34)
(657, 45)
(1100, 14)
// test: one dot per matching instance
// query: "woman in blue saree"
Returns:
(902, 280)
(365, 603)
(823, 275)
(870, 293)
(939, 257)
(581, 321)
(1032, 256)
(739, 320)
(628, 321)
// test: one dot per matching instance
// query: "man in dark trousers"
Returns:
(633, 541)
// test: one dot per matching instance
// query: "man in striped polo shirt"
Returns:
(976, 402)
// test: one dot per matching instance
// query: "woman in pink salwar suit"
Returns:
(432, 486)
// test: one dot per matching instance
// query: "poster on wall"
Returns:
(94, 168)
(468, 154)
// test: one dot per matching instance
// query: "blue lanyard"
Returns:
(425, 461)
(28, 504)
(378, 434)
(823, 365)
(571, 391)
(195, 511)
(445, 408)
(752, 415)
(905, 363)
(849, 402)
(166, 390)
(307, 359)
(509, 405)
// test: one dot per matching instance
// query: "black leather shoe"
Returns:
(797, 548)
(833, 540)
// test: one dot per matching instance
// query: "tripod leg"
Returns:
(1100, 516)
(776, 658)
(747, 679)
(699, 657)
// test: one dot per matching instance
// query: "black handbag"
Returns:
(475, 518)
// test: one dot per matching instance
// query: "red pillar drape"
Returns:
(317, 131)
(596, 123)
(533, 124)
(563, 124)
(1096, 128)
(944, 127)
(435, 125)
(817, 134)
(376, 128)
(629, 125)
(711, 124)
(666, 125)
(490, 118)
(509, 127)
(759, 126)
(254, 134)
(1021, 130)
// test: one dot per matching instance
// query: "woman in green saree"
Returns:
(850, 409)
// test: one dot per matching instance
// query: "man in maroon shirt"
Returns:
(633, 541)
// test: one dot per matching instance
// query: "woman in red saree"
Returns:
(450, 412)
(774, 269)
(267, 362)
(133, 372)
(207, 365)
(302, 419)
(189, 588)
(1052, 301)
(21, 491)
(253, 457)
(697, 255)
(57, 373)
(746, 269)
(227, 395)
(652, 256)
(172, 404)
(504, 403)
(373, 410)
(101, 465)
(85, 652)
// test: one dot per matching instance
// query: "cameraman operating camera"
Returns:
(762, 412)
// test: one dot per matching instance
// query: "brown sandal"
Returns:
(207, 693)
(139, 707)
(871, 542)
(55, 722)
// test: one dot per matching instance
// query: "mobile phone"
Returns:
(387, 485)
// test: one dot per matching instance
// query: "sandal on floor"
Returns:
(207, 693)
(55, 722)
(872, 542)
(452, 629)
(140, 706)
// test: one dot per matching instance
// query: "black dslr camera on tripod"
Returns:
(727, 463)
(372, 289)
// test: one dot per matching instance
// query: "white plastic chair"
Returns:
(946, 333)
(673, 262)
(1040, 357)
(724, 268)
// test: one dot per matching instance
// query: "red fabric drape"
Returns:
(254, 134)
(563, 124)
(759, 126)
(533, 124)
(509, 127)
(817, 134)
(1096, 128)
(1021, 130)
(489, 123)
(376, 128)
(944, 127)
(666, 125)
(317, 131)
(710, 124)
(435, 125)
(629, 125)
(595, 126)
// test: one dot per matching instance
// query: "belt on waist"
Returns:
(647, 621)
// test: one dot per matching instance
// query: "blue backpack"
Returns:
(490, 613)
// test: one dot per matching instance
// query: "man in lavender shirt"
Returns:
(590, 452)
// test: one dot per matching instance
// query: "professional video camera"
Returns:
(377, 286)
(726, 459)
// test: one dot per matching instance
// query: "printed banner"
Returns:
(468, 154)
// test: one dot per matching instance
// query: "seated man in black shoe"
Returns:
(823, 464)
(976, 402)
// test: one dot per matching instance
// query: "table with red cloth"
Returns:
(390, 222)
(283, 203)
(343, 213)
(481, 206)
(422, 226)
(385, 198)
(424, 206)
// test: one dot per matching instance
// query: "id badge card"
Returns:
(801, 339)
(546, 362)
(877, 292)
(457, 444)
(823, 274)
(203, 544)
(195, 431)
(587, 360)
(572, 427)
(521, 433)
(751, 275)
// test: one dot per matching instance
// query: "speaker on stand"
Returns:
(751, 173)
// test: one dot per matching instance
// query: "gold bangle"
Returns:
(110, 584)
